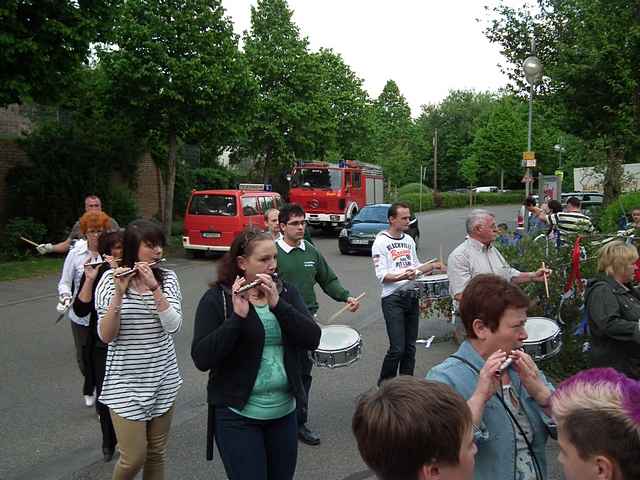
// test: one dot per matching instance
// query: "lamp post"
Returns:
(533, 74)
(560, 149)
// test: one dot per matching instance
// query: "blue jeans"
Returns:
(400, 310)
(257, 449)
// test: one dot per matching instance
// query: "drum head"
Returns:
(540, 328)
(434, 278)
(338, 337)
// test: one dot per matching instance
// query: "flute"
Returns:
(135, 269)
(98, 263)
(253, 284)
(504, 365)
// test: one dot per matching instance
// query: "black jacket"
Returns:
(230, 347)
(614, 322)
(82, 309)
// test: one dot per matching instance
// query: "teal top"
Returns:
(271, 396)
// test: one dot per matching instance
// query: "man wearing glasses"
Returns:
(478, 254)
(302, 265)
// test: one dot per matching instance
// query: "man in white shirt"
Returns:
(396, 265)
(476, 255)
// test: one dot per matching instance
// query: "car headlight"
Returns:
(344, 233)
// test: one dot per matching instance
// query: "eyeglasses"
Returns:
(297, 223)
(94, 232)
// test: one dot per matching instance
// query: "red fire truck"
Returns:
(332, 194)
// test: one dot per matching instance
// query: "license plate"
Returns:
(211, 235)
(359, 241)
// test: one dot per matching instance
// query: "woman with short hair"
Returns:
(92, 225)
(613, 310)
(508, 403)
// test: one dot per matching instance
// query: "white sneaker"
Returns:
(89, 400)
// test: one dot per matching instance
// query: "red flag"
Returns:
(574, 275)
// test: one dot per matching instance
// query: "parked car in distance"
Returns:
(492, 189)
(359, 234)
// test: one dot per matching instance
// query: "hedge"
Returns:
(431, 201)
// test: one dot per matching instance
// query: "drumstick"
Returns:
(441, 259)
(419, 272)
(343, 309)
(29, 241)
(546, 282)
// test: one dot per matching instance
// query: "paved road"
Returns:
(47, 433)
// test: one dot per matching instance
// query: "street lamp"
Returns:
(533, 74)
(560, 149)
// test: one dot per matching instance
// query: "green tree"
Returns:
(392, 131)
(590, 52)
(177, 71)
(456, 119)
(347, 105)
(42, 43)
(500, 139)
(289, 118)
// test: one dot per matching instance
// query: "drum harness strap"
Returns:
(513, 418)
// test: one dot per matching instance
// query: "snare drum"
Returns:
(545, 338)
(433, 286)
(340, 346)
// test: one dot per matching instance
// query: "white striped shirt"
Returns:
(142, 378)
(570, 223)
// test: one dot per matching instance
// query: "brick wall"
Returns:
(150, 191)
(14, 121)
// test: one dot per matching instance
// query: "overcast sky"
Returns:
(427, 47)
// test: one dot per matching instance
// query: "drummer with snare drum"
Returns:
(396, 265)
(302, 265)
(478, 254)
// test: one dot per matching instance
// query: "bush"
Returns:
(413, 188)
(66, 164)
(120, 204)
(12, 247)
(609, 217)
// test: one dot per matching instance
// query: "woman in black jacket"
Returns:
(249, 343)
(613, 307)
(110, 249)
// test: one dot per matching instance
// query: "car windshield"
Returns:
(328, 178)
(224, 205)
(372, 215)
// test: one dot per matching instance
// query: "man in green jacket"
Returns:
(301, 264)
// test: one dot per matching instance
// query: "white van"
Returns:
(485, 189)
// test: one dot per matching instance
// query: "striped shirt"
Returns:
(570, 223)
(142, 378)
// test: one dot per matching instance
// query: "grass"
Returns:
(31, 268)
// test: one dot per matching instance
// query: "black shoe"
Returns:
(307, 436)
(107, 454)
